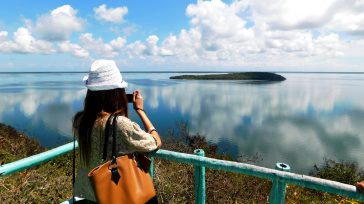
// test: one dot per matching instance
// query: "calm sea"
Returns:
(299, 121)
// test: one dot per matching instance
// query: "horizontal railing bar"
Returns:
(35, 160)
(261, 172)
(266, 173)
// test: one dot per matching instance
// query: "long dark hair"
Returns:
(109, 101)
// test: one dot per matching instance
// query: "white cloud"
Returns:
(254, 33)
(113, 15)
(216, 20)
(118, 43)
(75, 49)
(350, 19)
(293, 14)
(152, 48)
(24, 42)
(328, 45)
(334, 15)
(288, 41)
(97, 45)
(217, 33)
(101, 49)
(59, 24)
(136, 49)
(302, 44)
(237, 34)
(221, 29)
(3, 36)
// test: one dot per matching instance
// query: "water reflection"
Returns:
(299, 121)
(43, 114)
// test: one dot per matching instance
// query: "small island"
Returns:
(262, 76)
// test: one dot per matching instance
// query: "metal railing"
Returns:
(278, 177)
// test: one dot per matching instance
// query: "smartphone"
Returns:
(129, 97)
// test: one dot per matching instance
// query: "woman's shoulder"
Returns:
(123, 119)
(124, 122)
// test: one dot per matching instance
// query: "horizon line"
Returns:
(228, 71)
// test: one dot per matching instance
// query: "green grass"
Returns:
(47, 183)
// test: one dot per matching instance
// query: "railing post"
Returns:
(278, 191)
(151, 168)
(200, 186)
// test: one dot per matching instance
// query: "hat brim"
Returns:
(100, 87)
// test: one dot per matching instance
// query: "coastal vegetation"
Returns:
(262, 76)
(47, 183)
(51, 182)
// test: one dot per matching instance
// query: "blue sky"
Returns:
(160, 35)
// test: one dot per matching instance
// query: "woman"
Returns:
(106, 95)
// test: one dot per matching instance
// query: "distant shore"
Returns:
(262, 76)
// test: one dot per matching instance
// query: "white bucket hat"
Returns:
(104, 75)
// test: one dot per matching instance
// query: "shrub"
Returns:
(344, 172)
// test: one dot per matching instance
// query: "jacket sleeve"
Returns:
(134, 136)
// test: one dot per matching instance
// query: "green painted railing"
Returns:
(279, 177)
(35, 160)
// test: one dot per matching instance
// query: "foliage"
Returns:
(344, 172)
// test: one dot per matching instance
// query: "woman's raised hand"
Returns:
(138, 100)
(360, 186)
